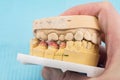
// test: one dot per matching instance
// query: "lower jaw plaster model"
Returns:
(67, 38)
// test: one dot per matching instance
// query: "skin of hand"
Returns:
(109, 21)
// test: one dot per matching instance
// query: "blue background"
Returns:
(16, 17)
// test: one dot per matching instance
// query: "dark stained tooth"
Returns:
(53, 44)
(62, 45)
(43, 43)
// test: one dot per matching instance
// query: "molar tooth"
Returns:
(62, 37)
(78, 35)
(94, 38)
(87, 35)
(41, 35)
(69, 36)
(35, 42)
(52, 36)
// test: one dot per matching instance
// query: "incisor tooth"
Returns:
(89, 45)
(78, 44)
(52, 36)
(41, 35)
(94, 38)
(61, 37)
(69, 44)
(69, 36)
(84, 44)
(78, 35)
(87, 35)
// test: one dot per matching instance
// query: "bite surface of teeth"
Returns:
(87, 35)
(62, 37)
(94, 38)
(69, 36)
(78, 35)
(41, 35)
(52, 36)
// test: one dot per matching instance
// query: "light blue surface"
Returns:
(16, 17)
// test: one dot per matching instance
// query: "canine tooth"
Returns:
(94, 38)
(69, 36)
(62, 37)
(41, 35)
(52, 36)
(87, 35)
(78, 35)
(89, 45)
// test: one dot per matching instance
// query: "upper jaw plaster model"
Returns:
(73, 38)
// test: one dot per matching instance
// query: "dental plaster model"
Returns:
(72, 40)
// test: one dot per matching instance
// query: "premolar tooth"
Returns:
(69, 36)
(41, 35)
(87, 35)
(52, 36)
(78, 35)
(62, 37)
(94, 38)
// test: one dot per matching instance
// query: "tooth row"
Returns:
(68, 45)
(87, 34)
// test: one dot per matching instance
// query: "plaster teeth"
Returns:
(41, 35)
(78, 45)
(87, 35)
(89, 45)
(62, 37)
(69, 36)
(78, 35)
(52, 36)
(94, 38)
(69, 44)
(84, 44)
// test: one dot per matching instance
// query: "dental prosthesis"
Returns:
(67, 38)
(74, 39)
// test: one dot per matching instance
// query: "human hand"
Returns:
(109, 23)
